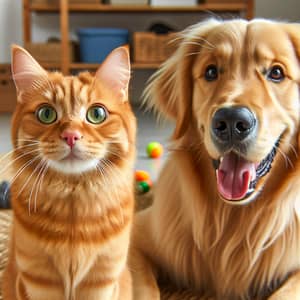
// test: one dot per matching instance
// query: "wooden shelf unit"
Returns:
(85, 66)
(231, 7)
(64, 8)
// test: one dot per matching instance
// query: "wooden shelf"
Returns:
(64, 7)
(51, 65)
(5, 72)
(5, 77)
(141, 8)
(86, 66)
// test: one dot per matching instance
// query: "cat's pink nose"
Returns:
(71, 136)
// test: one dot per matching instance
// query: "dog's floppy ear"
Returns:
(171, 88)
(293, 30)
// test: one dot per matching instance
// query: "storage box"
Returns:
(150, 47)
(8, 95)
(96, 43)
(173, 2)
(48, 52)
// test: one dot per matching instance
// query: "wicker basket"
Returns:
(48, 52)
(56, 2)
(149, 47)
(8, 95)
(7, 89)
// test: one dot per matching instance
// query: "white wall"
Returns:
(285, 10)
(10, 26)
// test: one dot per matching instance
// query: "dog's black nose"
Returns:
(233, 124)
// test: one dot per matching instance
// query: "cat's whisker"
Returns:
(27, 140)
(118, 179)
(4, 157)
(29, 178)
(105, 181)
(119, 143)
(105, 178)
(22, 168)
(37, 182)
(44, 172)
(113, 169)
(107, 169)
(34, 184)
(39, 185)
(11, 162)
(116, 154)
(103, 175)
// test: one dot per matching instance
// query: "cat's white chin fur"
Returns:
(74, 166)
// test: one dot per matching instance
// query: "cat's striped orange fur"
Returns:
(72, 194)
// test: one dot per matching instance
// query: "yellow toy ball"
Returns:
(154, 150)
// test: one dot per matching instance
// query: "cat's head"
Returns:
(71, 124)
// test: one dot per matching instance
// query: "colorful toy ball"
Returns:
(142, 187)
(141, 175)
(155, 150)
(143, 181)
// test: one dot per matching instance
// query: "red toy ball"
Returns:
(141, 175)
(143, 181)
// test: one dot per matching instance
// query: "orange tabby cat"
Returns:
(72, 195)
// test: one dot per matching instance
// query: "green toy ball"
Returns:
(142, 187)
(154, 150)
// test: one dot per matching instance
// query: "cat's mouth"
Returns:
(74, 163)
(71, 157)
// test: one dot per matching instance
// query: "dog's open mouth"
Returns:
(237, 178)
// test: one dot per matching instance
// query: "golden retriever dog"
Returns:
(224, 222)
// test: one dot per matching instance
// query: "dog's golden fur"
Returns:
(191, 236)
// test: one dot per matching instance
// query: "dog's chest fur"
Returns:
(234, 252)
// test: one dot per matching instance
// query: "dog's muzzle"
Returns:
(233, 130)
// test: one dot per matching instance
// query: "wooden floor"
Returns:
(5, 171)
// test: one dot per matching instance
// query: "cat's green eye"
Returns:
(46, 114)
(96, 114)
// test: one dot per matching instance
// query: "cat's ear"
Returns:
(25, 69)
(114, 72)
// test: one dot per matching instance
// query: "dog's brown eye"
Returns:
(211, 73)
(276, 74)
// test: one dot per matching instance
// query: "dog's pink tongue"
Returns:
(234, 176)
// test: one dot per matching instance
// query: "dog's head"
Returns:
(235, 86)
